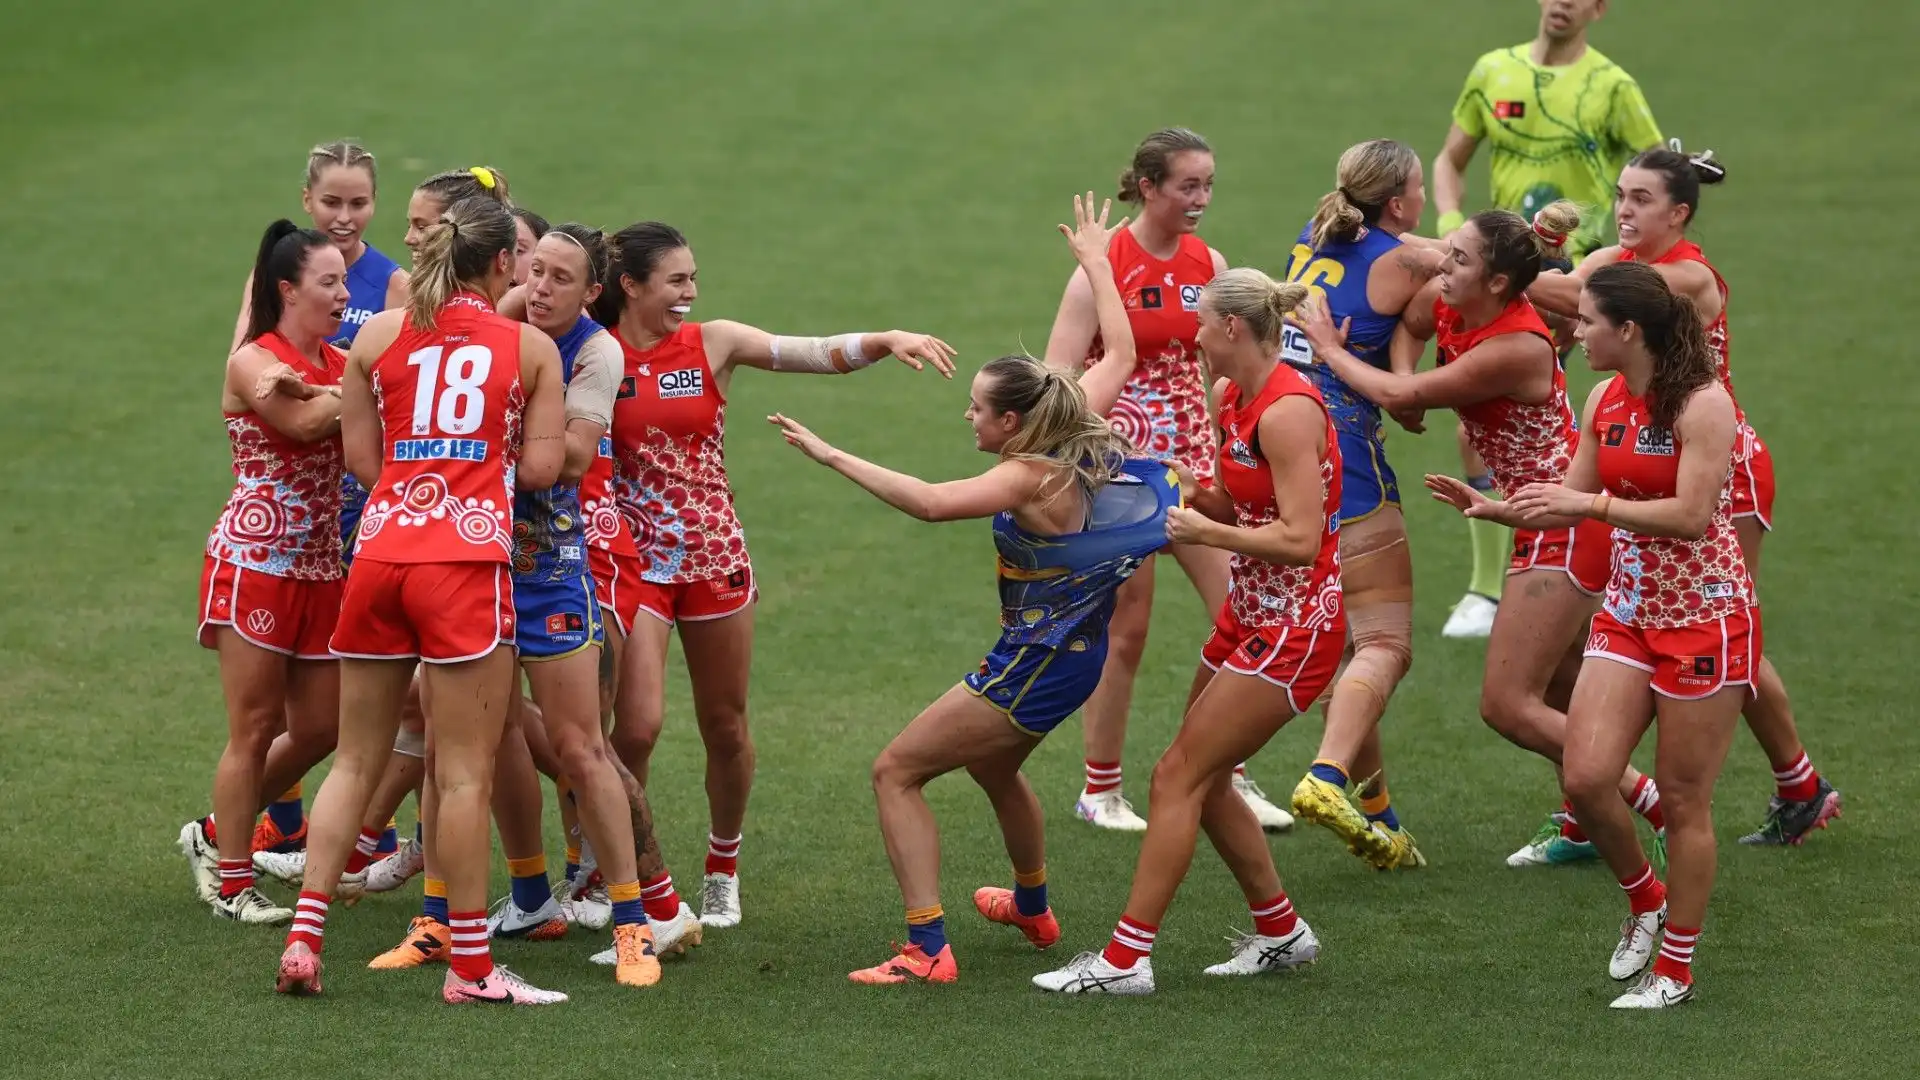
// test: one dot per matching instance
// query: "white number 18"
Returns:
(462, 405)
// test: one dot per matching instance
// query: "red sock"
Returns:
(660, 899)
(1275, 918)
(309, 920)
(1644, 890)
(363, 848)
(723, 856)
(1102, 776)
(469, 955)
(1676, 954)
(1569, 825)
(236, 876)
(1797, 782)
(207, 826)
(1132, 942)
(1646, 803)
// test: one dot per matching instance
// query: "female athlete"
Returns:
(1275, 645)
(270, 589)
(1160, 266)
(1679, 632)
(1499, 371)
(441, 448)
(1657, 197)
(339, 196)
(670, 479)
(1350, 256)
(1074, 513)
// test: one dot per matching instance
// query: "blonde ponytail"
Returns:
(1368, 176)
(1255, 299)
(1056, 427)
(454, 253)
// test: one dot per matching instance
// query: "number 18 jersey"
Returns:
(450, 404)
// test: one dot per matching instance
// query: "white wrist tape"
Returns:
(835, 355)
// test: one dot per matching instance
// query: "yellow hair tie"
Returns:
(484, 175)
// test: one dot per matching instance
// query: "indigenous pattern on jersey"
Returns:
(367, 282)
(1521, 443)
(669, 468)
(450, 404)
(1054, 586)
(1556, 132)
(1163, 408)
(1260, 593)
(283, 518)
(1661, 582)
(549, 533)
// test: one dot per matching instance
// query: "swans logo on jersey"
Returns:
(1189, 297)
(1150, 298)
(1242, 455)
(686, 382)
(1614, 435)
(1654, 442)
(1717, 590)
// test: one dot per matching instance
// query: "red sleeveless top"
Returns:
(450, 404)
(1163, 409)
(1521, 443)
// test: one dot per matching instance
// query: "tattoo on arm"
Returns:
(1422, 269)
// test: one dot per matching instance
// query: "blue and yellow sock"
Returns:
(573, 859)
(1030, 892)
(927, 928)
(628, 909)
(286, 812)
(389, 838)
(531, 891)
(434, 906)
(1332, 772)
(1379, 807)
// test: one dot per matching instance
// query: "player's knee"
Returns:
(1589, 782)
(634, 743)
(893, 772)
(725, 734)
(1502, 709)
(1174, 778)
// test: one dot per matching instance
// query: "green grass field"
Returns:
(842, 166)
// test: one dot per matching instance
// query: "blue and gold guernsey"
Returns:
(1057, 595)
(367, 282)
(553, 594)
(1336, 275)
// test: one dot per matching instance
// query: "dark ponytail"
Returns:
(282, 257)
(1670, 324)
(1683, 173)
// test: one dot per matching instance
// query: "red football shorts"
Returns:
(1301, 662)
(1583, 552)
(617, 585)
(1753, 480)
(1684, 661)
(442, 613)
(284, 615)
(698, 601)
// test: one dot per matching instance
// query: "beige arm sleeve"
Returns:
(595, 382)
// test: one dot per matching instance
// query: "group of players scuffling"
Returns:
(516, 467)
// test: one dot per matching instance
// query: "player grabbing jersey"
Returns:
(670, 480)
(270, 587)
(1561, 120)
(1350, 257)
(1275, 645)
(448, 406)
(1679, 632)
(1073, 516)
(1160, 265)
(1657, 197)
(1498, 370)
(339, 196)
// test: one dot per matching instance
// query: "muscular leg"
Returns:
(1104, 716)
(719, 656)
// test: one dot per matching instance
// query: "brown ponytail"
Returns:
(1683, 362)
(1153, 159)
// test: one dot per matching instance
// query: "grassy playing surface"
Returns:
(843, 166)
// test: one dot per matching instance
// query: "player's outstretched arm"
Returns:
(733, 344)
(1006, 486)
(1090, 237)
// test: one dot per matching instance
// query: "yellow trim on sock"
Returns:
(626, 890)
(1336, 763)
(435, 887)
(531, 866)
(922, 916)
(1032, 879)
(292, 794)
(1375, 805)
(573, 854)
